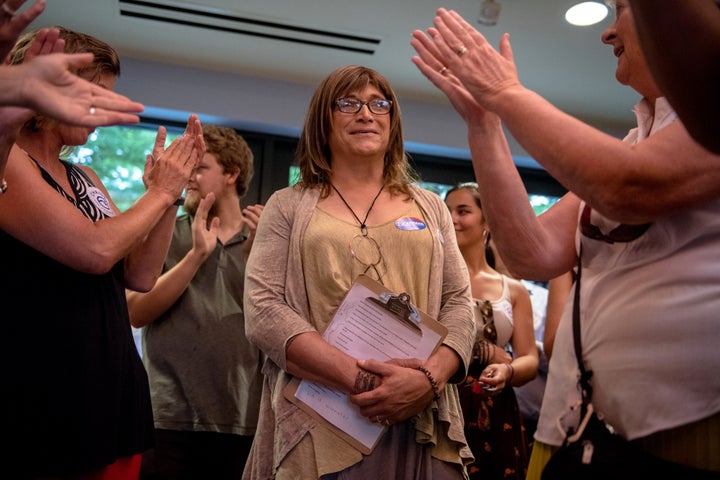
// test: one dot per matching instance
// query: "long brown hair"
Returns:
(473, 189)
(313, 153)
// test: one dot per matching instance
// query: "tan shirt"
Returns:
(402, 257)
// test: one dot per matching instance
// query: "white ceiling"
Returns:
(567, 65)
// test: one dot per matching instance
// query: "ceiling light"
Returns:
(489, 13)
(586, 13)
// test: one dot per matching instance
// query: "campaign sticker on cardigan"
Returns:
(409, 223)
(98, 199)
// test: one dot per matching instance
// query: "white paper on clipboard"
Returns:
(364, 330)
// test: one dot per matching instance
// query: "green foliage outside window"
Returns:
(117, 155)
(540, 203)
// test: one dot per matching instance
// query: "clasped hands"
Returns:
(399, 392)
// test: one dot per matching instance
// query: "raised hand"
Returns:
(466, 53)
(12, 24)
(44, 82)
(251, 215)
(51, 89)
(429, 62)
(204, 233)
(168, 170)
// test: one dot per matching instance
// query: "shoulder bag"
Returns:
(592, 451)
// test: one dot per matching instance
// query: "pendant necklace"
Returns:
(363, 227)
(363, 247)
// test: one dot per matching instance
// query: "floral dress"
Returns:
(493, 424)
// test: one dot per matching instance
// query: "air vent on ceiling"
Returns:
(204, 17)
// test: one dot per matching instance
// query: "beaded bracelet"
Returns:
(481, 353)
(364, 381)
(433, 383)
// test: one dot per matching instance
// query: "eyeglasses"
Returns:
(378, 106)
(488, 322)
(367, 252)
(621, 234)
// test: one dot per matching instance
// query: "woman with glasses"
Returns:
(647, 242)
(355, 211)
(504, 320)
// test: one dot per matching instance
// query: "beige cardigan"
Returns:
(276, 309)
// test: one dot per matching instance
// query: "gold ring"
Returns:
(8, 10)
(461, 50)
(443, 70)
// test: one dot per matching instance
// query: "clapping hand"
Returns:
(51, 87)
(456, 50)
(204, 233)
(45, 83)
(168, 170)
(12, 23)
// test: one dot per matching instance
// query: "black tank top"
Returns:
(74, 390)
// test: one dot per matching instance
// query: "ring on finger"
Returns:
(5, 8)
(386, 422)
(443, 70)
(461, 50)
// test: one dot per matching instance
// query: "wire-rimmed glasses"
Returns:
(378, 106)
(366, 251)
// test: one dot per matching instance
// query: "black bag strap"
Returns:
(584, 380)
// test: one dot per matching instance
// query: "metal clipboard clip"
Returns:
(401, 306)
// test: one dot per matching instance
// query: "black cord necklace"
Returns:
(363, 227)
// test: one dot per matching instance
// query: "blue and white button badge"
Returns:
(102, 203)
(409, 223)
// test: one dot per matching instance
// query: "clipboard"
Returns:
(371, 322)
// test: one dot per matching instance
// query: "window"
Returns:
(118, 155)
(540, 203)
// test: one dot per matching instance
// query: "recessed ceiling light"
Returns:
(586, 13)
(489, 13)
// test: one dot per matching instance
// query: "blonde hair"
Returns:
(105, 60)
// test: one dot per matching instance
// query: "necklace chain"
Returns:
(363, 227)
